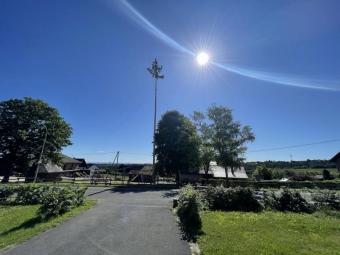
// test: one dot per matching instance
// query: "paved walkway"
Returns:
(124, 222)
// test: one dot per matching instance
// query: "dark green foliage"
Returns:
(231, 199)
(301, 177)
(30, 194)
(327, 200)
(303, 164)
(177, 144)
(54, 200)
(288, 201)
(332, 185)
(188, 211)
(22, 133)
(263, 173)
(327, 175)
(60, 199)
(5, 194)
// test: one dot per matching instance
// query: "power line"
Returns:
(295, 146)
(111, 152)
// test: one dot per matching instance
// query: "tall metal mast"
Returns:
(155, 71)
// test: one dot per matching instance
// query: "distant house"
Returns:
(49, 171)
(219, 172)
(93, 167)
(144, 174)
(336, 160)
(70, 163)
(83, 164)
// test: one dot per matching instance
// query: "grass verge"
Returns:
(19, 223)
(269, 233)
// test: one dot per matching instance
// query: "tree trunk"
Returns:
(177, 177)
(5, 179)
(226, 174)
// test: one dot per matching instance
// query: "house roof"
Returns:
(219, 172)
(335, 158)
(68, 160)
(49, 168)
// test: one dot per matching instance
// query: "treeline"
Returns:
(301, 164)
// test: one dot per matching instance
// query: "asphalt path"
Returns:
(124, 222)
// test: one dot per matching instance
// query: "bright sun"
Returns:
(202, 58)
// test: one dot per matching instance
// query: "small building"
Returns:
(83, 164)
(144, 174)
(219, 172)
(70, 163)
(49, 171)
(336, 160)
(93, 167)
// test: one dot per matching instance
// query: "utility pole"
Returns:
(155, 71)
(41, 154)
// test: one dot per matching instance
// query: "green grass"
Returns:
(308, 171)
(269, 233)
(19, 223)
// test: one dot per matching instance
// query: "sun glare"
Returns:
(202, 58)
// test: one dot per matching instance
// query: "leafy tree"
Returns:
(228, 137)
(207, 152)
(263, 173)
(22, 132)
(177, 144)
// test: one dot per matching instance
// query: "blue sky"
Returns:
(89, 58)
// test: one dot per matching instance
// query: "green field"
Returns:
(307, 171)
(269, 233)
(19, 223)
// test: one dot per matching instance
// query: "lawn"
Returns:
(307, 171)
(19, 223)
(269, 233)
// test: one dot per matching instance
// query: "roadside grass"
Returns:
(269, 233)
(19, 223)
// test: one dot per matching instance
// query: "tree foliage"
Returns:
(227, 137)
(177, 144)
(207, 153)
(22, 131)
(263, 173)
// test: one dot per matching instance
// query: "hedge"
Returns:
(331, 185)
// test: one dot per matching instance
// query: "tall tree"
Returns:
(207, 152)
(23, 125)
(227, 137)
(177, 144)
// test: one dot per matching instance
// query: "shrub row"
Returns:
(231, 199)
(287, 201)
(189, 205)
(191, 201)
(54, 200)
(330, 185)
(58, 200)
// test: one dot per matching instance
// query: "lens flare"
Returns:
(202, 58)
(280, 79)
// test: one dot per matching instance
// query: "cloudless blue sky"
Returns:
(88, 59)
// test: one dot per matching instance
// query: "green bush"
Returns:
(327, 200)
(263, 173)
(188, 211)
(5, 194)
(288, 201)
(30, 194)
(58, 200)
(327, 175)
(232, 199)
